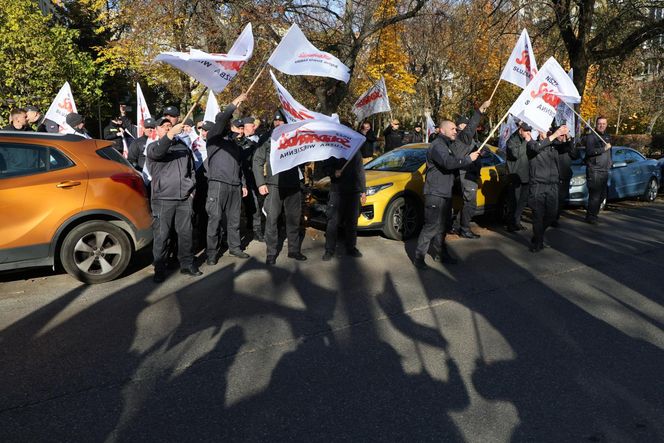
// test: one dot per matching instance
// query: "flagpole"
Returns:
(494, 90)
(493, 130)
(256, 79)
(584, 121)
(191, 110)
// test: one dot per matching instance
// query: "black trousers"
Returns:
(200, 219)
(517, 200)
(253, 209)
(290, 200)
(597, 182)
(469, 192)
(223, 200)
(342, 206)
(543, 201)
(176, 214)
(436, 215)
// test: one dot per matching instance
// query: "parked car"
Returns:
(395, 183)
(660, 164)
(632, 175)
(68, 200)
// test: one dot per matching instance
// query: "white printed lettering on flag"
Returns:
(311, 140)
(295, 55)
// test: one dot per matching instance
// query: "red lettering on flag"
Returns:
(302, 137)
(551, 99)
(369, 98)
(66, 105)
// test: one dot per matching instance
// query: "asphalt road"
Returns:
(564, 345)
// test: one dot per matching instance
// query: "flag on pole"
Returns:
(373, 101)
(506, 130)
(62, 105)
(521, 67)
(213, 70)
(211, 108)
(537, 103)
(293, 110)
(564, 115)
(295, 55)
(311, 140)
(431, 127)
(142, 113)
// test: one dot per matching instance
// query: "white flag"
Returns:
(62, 106)
(142, 112)
(506, 130)
(431, 127)
(213, 70)
(295, 55)
(293, 110)
(311, 140)
(536, 105)
(211, 108)
(521, 67)
(565, 115)
(373, 101)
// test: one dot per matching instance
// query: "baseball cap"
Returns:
(188, 122)
(238, 122)
(461, 120)
(248, 120)
(32, 108)
(279, 116)
(206, 126)
(171, 110)
(525, 126)
(162, 120)
(149, 123)
(73, 119)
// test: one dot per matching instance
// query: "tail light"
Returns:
(134, 181)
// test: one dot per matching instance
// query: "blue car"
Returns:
(632, 175)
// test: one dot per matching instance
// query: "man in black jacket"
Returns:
(280, 190)
(226, 185)
(393, 136)
(517, 168)
(441, 165)
(77, 123)
(415, 136)
(119, 130)
(347, 194)
(18, 121)
(598, 164)
(468, 175)
(544, 178)
(137, 148)
(253, 202)
(566, 153)
(368, 147)
(171, 165)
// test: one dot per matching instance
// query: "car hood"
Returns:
(374, 178)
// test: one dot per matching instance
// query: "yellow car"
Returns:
(395, 183)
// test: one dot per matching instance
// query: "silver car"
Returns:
(632, 175)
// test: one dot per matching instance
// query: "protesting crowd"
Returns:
(201, 174)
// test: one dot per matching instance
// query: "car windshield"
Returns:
(582, 156)
(400, 160)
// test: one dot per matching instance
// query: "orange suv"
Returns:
(69, 200)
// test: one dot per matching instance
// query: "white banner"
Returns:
(431, 127)
(142, 113)
(536, 105)
(213, 70)
(311, 140)
(521, 67)
(62, 106)
(564, 115)
(295, 55)
(373, 101)
(293, 110)
(211, 108)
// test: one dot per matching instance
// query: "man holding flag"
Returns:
(598, 164)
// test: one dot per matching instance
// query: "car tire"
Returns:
(403, 219)
(651, 191)
(95, 252)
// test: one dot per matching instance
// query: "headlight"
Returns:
(371, 190)
(579, 180)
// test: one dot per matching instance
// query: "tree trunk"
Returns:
(651, 126)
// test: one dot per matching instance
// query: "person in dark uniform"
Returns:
(226, 185)
(280, 190)
(348, 191)
(119, 130)
(393, 136)
(415, 136)
(137, 148)
(368, 147)
(441, 164)
(18, 120)
(248, 141)
(598, 164)
(517, 168)
(77, 123)
(544, 178)
(34, 117)
(171, 165)
(468, 176)
(567, 152)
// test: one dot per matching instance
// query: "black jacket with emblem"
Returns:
(441, 165)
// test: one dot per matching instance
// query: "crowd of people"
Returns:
(200, 175)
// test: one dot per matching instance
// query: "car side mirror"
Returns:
(619, 164)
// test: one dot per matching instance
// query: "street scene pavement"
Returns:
(507, 345)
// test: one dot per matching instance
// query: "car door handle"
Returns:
(67, 184)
